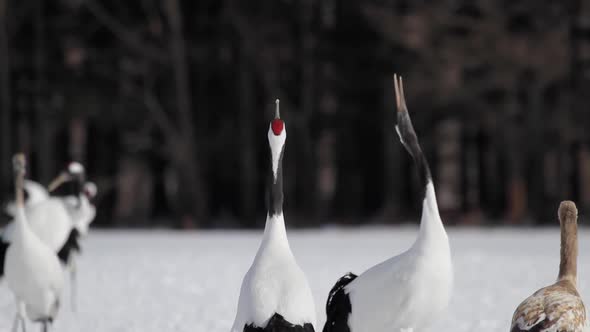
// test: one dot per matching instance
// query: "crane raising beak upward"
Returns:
(59, 180)
(74, 171)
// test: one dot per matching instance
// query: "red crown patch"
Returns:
(277, 126)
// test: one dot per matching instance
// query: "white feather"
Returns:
(81, 211)
(54, 218)
(274, 283)
(75, 168)
(276, 148)
(49, 220)
(36, 193)
(401, 139)
(32, 271)
(410, 290)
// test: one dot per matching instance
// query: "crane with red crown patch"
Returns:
(275, 295)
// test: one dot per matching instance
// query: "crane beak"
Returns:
(58, 181)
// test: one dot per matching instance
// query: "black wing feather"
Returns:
(338, 306)
(72, 244)
(3, 248)
(277, 323)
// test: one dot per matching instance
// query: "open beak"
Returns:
(58, 181)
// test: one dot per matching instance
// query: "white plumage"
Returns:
(53, 218)
(50, 220)
(81, 210)
(275, 293)
(32, 269)
(36, 193)
(274, 283)
(59, 221)
(408, 291)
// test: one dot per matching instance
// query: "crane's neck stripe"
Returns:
(276, 189)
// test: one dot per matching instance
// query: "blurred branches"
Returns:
(168, 104)
(130, 38)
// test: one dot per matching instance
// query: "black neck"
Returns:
(78, 191)
(275, 206)
(75, 188)
(410, 142)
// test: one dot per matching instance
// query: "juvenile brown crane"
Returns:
(559, 307)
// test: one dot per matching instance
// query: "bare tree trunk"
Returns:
(493, 183)
(308, 182)
(584, 175)
(471, 171)
(536, 128)
(517, 192)
(579, 66)
(185, 156)
(449, 171)
(135, 184)
(78, 137)
(327, 168)
(5, 102)
(44, 138)
(248, 178)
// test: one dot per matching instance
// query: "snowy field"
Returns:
(168, 281)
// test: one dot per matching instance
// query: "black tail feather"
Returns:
(407, 135)
(3, 248)
(278, 323)
(275, 190)
(72, 245)
(338, 306)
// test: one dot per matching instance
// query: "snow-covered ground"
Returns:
(171, 281)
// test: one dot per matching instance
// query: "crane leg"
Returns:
(23, 323)
(19, 318)
(15, 323)
(74, 286)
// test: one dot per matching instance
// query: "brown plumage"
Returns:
(559, 307)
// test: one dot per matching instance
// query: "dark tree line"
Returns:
(168, 102)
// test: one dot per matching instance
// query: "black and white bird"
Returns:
(53, 219)
(79, 205)
(82, 212)
(58, 221)
(558, 307)
(408, 291)
(32, 270)
(275, 295)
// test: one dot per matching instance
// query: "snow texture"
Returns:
(172, 281)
